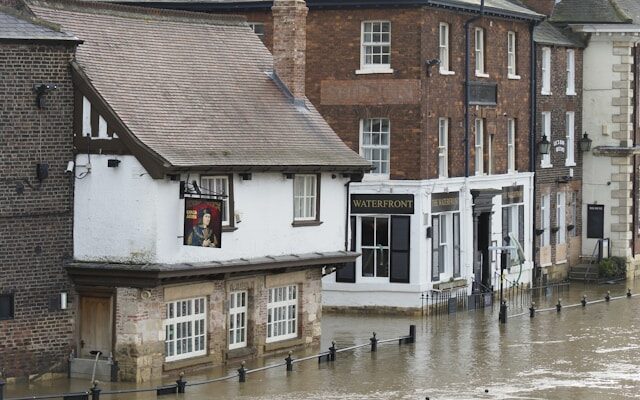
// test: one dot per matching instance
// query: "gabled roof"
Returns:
(592, 11)
(547, 33)
(196, 90)
(15, 26)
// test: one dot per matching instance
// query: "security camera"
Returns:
(70, 166)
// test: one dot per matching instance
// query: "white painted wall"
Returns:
(123, 215)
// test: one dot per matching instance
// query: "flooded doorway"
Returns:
(95, 325)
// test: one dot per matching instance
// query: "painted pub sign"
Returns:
(202, 222)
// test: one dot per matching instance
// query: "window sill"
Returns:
(573, 164)
(296, 224)
(546, 166)
(443, 72)
(572, 94)
(229, 228)
(283, 344)
(187, 362)
(366, 71)
(482, 75)
(515, 77)
(546, 93)
(240, 352)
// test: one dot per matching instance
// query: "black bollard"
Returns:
(628, 292)
(332, 352)
(95, 391)
(374, 343)
(502, 316)
(532, 310)
(181, 383)
(289, 361)
(607, 296)
(584, 300)
(559, 305)
(242, 373)
(412, 333)
(1, 387)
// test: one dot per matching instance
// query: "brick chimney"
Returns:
(540, 6)
(290, 43)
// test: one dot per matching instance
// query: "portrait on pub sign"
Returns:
(202, 222)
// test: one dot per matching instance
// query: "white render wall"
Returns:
(123, 215)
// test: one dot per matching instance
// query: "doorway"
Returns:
(96, 328)
(483, 256)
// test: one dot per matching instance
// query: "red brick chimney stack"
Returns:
(290, 43)
(540, 6)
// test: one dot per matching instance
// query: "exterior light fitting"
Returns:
(585, 143)
(544, 145)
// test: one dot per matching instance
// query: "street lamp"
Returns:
(585, 143)
(545, 145)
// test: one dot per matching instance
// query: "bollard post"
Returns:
(412, 333)
(607, 296)
(532, 310)
(242, 373)
(1, 387)
(584, 300)
(332, 351)
(559, 305)
(628, 292)
(374, 343)
(181, 383)
(289, 361)
(502, 316)
(95, 391)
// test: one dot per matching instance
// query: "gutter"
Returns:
(533, 135)
(467, 87)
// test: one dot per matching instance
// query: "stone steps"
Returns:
(82, 368)
(584, 272)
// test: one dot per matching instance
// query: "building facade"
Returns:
(36, 197)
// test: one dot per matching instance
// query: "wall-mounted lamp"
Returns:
(544, 145)
(42, 89)
(430, 63)
(585, 143)
(64, 301)
(246, 176)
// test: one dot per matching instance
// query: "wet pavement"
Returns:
(579, 353)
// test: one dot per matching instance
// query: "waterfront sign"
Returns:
(512, 194)
(443, 202)
(382, 204)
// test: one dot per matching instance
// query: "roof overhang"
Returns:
(605, 28)
(152, 275)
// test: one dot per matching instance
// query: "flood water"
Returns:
(579, 353)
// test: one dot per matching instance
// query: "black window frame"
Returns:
(12, 305)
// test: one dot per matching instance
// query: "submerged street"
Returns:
(589, 353)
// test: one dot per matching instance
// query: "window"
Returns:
(489, 168)
(238, 320)
(444, 49)
(305, 197)
(511, 56)
(445, 245)
(545, 218)
(375, 143)
(185, 329)
(570, 126)
(512, 223)
(511, 145)
(258, 29)
(571, 72)
(546, 71)
(282, 317)
(375, 246)
(479, 156)
(376, 47)
(6, 306)
(443, 147)
(480, 52)
(220, 185)
(546, 131)
(561, 237)
(573, 217)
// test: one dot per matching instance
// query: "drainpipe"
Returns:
(532, 135)
(467, 87)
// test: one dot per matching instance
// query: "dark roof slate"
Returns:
(590, 11)
(196, 89)
(15, 26)
(547, 33)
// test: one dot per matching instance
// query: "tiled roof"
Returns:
(547, 33)
(196, 89)
(631, 8)
(501, 5)
(590, 11)
(18, 27)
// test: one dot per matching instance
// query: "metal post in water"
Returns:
(242, 373)
(584, 300)
(181, 383)
(1, 387)
(332, 351)
(628, 292)
(374, 343)
(532, 310)
(412, 333)
(607, 296)
(95, 391)
(559, 305)
(289, 362)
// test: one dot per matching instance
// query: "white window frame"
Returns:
(561, 218)
(219, 184)
(479, 146)
(445, 59)
(570, 120)
(305, 197)
(546, 71)
(490, 154)
(479, 53)
(282, 313)
(378, 249)
(511, 145)
(512, 69)
(253, 26)
(379, 68)
(571, 72)
(443, 147)
(238, 319)
(368, 147)
(187, 318)
(545, 219)
(545, 160)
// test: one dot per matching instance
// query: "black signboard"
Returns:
(483, 93)
(443, 202)
(381, 204)
(595, 221)
(512, 194)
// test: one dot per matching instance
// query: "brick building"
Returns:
(36, 196)
(447, 185)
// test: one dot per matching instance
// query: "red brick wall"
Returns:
(35, 226)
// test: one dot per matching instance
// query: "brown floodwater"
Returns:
(579, 353)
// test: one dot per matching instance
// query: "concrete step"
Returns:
(82, 368)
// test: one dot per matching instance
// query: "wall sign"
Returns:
(382, 204)
(559, 145)
(443, 202)
(595, 221)
(512, 194)
(202, 222)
